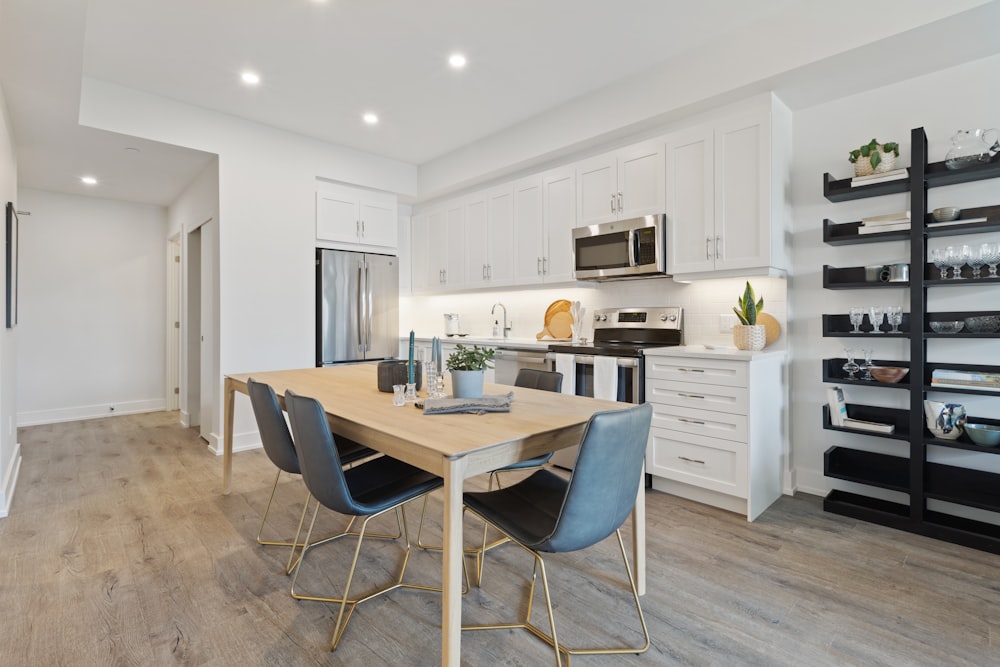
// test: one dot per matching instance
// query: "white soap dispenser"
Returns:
(496, 328)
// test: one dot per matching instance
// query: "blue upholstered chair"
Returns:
(366, 491)
(546, 513)
(278, 446)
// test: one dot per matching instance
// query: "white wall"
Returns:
(92, 310)
(941, 103)
(10, 454)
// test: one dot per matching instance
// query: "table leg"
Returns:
(229, 395)
(639, 535)
(451, 615)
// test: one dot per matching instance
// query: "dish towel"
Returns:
(566, 364)
(481, 405)
(606, 378)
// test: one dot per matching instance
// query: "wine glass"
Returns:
(957, 257)
(977, 260)
(894, 315)
(857, 316)
(867, 366)
(850, 366)
(991, 251)
(940, 261)
(875, 314)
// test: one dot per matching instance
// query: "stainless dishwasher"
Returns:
(508, 361)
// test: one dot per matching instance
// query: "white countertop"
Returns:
(488, 341)
(709, 352)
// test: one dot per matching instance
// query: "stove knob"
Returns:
(673, 318)
(604, 318)
(597, 318)
(663, 317)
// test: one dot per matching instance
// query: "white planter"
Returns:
(863, 165)
(467, 384)
(750, 337)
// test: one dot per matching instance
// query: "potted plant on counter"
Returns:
(467, 366)
(748, 335)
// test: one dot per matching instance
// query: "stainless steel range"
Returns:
(613, 365)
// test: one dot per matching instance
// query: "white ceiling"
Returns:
(325, 63)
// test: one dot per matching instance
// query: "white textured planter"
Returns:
(750, 336)
(863, 165)
(467, 384)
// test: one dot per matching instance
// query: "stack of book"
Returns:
(882, 177)
(839, 418)
(943, 377)
(889, 222)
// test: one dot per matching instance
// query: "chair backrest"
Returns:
(320, 460)
(535, 379)
(273, 429)
(605, 479)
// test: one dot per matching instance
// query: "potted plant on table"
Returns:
(467, 366)
(748, 335)
(874, 158)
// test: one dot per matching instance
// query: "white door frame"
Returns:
(173, 337)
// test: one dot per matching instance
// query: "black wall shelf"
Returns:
(841, 190)
(840, 326)
(871, 468)
(872, 413)
(833, 372)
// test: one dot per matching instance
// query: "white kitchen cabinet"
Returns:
(355, 216)
(529, 234)
(489, 238)
(722, 187)
(438, 243)
(717, 434)
(543, 229)
(622, 184)
(421, 264)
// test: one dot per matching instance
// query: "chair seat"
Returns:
(386, 482)
(527, 511)
(351, 451)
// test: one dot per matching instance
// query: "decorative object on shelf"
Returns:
(957, 257)
(972, 147)
(868, 365)
(945, 420)
(946, 213)
(982, 324)
(985, 435)
(748, 335)
(876, 315)
(965, 379)
(873, 273)
(991, 254)
(895, 273)
(850, 366)
(874, 158)
(891, 374)
(838, 408)
(950, 327)
(894, 315)
(857, 316)
(467, 366)
(939, 259)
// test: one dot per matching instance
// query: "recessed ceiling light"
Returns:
(456, 60)
(88, 180)
(370, 118)
(250, 78)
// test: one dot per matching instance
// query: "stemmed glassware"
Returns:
(940, 260)
(977, 260)
(894, 315)
(991, 256)
(857, 316)
(850, 366)
(957, 257)
(867, 366)
(875, 314)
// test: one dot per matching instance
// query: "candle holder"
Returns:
(410, 396)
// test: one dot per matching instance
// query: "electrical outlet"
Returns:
(726, 322)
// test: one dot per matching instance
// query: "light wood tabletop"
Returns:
(452, 446)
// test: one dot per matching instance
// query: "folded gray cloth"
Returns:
(491, 403)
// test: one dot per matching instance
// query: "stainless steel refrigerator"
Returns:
(357, 306)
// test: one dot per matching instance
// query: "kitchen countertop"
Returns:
(710, 352)
(489, 341)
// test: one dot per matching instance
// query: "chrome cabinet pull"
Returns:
(362, 228)
(708, 248)
(538, 265)
(545, 266)
(691, 370)
(612, 202)
(690, 421)
(681, 393)
(489, 271)
(619, 201)
(717, 255)
(484, 272)
(684, 458)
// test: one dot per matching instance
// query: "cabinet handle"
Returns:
(489, 271)
(612, 202)
(717, 255)
(708, 248)
(684, 458)
(619, 201)
(357, 228)
(681, 393)
(538, 265)
(484, 272)
(545, 266)
(362, 227)
(690, 421)
(444, 275)
(691, 370)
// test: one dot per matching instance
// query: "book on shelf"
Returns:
(951, 375)
(884, 177)
(875, 427)
(878, 229)
(838, 409)
(887, 219)
(948, 223)
(953, 384)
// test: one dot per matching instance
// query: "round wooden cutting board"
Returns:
(771, 327)
(559, 307)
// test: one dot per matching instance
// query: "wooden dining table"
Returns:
(452, 446)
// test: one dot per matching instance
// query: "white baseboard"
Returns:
(185, 419)
(813, 482)
(241, 442)
(36, 417)
(10, 481)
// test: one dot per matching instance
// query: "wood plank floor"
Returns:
(121, 550)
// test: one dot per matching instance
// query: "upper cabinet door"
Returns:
(690, 200)
(640, 180)
(500, 236)
(559, 214)
(422, 267)
(597, 188)
(528, 233)
(337, 216)
(378, 220)
(742, 192)
(355, 216)
(454, 262)
(476, 262)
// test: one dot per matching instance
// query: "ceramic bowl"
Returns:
(946, 213)
(982, 324)
(986, 435)
(947, 327)
(888, 373)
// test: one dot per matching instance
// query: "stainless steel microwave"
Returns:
(633, 248)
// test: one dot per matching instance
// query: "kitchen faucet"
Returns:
(493, 312)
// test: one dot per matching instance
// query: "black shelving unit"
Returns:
(909, 471)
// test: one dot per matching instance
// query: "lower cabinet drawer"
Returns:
(709, 423)
(696, 395)
(709, 463)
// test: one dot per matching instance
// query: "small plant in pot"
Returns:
(748, 335)
(467, 366)
(874, 158)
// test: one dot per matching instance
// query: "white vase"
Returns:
(750, 337)
(467, 384)
(863, 165)
(945, 420)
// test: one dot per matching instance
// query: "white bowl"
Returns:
(946, 213)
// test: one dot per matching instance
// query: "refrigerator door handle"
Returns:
(368, 319)
(361, 309)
